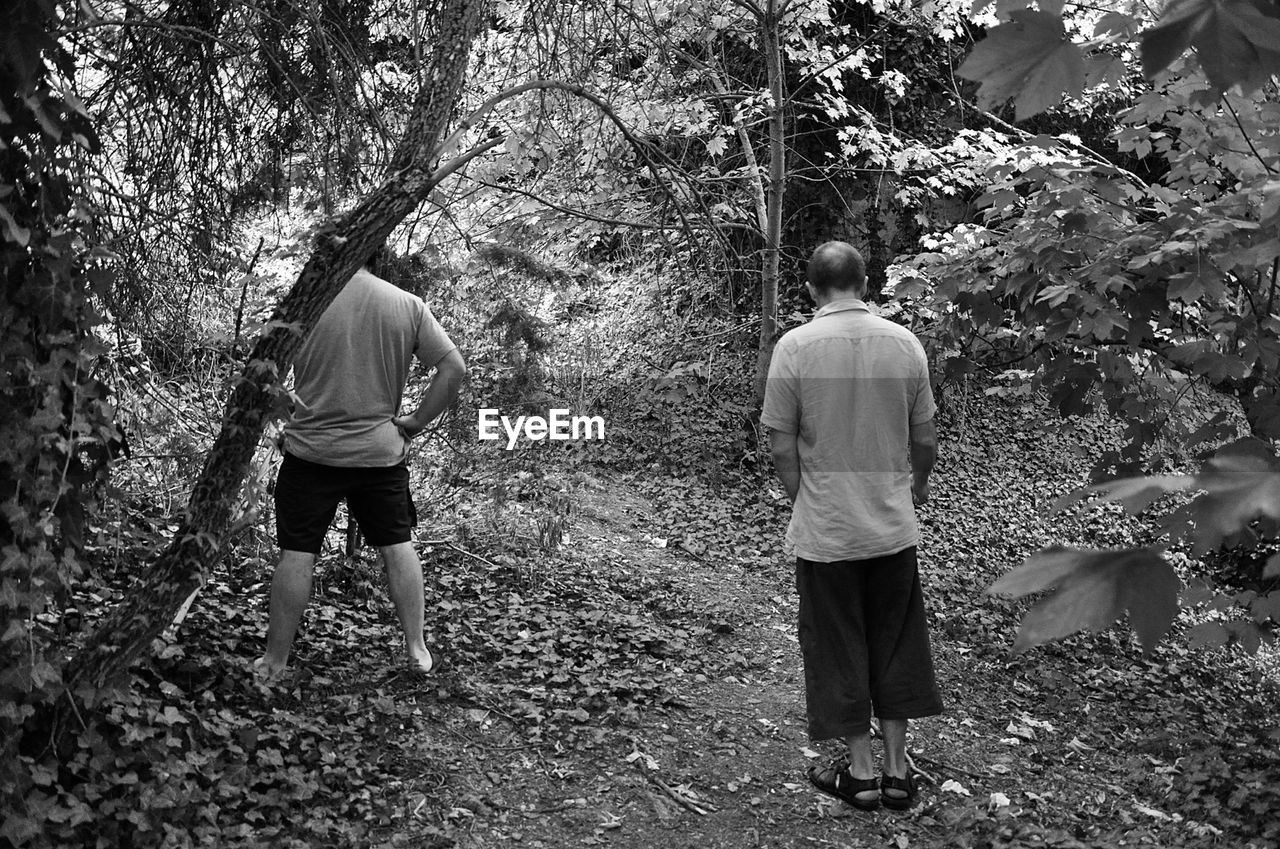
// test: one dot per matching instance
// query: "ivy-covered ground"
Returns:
(626, 673)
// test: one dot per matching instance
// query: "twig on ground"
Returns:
(912, 766)
(949, 768)
(554, 809)
(676, 796)
(448, 544)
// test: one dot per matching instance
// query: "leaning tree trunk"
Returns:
(127, 631)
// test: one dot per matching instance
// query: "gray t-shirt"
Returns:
(850, 385)
(350, 373)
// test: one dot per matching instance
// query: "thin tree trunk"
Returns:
(777, 186)
(128, 630)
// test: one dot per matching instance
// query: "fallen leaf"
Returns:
(1036, 723)
(1079, 746)
(1020, 731)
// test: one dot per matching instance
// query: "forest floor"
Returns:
(641, 686)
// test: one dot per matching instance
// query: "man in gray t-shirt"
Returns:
(850, 411)
(347, 441)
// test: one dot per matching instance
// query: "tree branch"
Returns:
(813, 76)
(647, 152)
(459, 162)
(1097, 158)
(193, 33)
(744, 141)
(613, 222)
(1227, 103)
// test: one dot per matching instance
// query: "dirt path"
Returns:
(723, 763)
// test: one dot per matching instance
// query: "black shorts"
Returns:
(307, 496)
(865, 643)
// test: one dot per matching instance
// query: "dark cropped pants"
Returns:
(865, 643)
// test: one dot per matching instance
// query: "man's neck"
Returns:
(823, 299)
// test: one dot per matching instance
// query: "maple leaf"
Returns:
(1237, 41)
(1092, 590)
(1030, 60)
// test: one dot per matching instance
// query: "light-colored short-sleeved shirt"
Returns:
(350, 373)
(850, 385)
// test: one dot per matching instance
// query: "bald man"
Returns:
(851, 412)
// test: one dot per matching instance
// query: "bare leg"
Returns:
(404, 583)
(895, 751)
(290, 592)
(861, 763)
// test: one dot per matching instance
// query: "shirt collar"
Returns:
(843, 305)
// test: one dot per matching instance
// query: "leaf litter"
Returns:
(611, 691)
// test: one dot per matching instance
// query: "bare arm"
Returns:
(786, 459)
(439, 395)
(924, 453)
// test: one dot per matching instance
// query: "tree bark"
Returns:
(777, 187)
(128, 630)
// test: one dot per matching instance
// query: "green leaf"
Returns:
(1094, 588)
(1185, 287)
(1211, 635)
(1272, 569)
(1150, 593)
(1241, 484)
(21, 49)
(1116, 23)
(18, 828)
(1104, 69)
(1051, 565)
(14, 232)
(1236, 41)
(1270, 201)
(1263, 412)
(1168, 39)
(1217, 428)
(1030, 60)
(1266, 607)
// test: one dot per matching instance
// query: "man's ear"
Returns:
(808, 287)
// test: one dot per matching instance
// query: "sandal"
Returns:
(907, 785)
(835, 780)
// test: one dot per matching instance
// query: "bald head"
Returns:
(838, 267)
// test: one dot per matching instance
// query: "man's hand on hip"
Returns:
(407, 425)
(920, 491)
